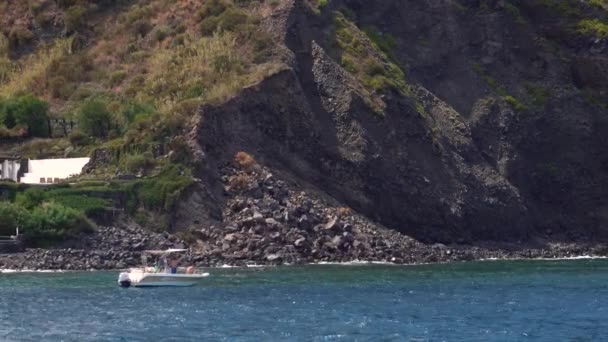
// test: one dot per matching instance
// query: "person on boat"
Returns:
(173, 262)
(161, 264)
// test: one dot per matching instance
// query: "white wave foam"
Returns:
(580, 257)
(353, 262)
(347, 263)
(5, 271)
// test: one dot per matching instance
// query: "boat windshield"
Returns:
(167, 261)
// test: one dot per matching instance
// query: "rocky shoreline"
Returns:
(124, 248)
(86, 260)
(268, 220)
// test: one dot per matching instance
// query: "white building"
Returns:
(49, 171)
(9, 169)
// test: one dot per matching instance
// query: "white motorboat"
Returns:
(165, 273)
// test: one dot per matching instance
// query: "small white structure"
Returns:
(49, 171)
(9, 169)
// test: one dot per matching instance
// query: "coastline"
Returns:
(37, 260)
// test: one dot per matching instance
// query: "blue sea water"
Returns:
(480, 301)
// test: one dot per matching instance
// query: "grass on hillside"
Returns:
(146, 65)
(30, 75)
(594, 27)
(365, 57)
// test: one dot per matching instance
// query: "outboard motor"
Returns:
(123, 279)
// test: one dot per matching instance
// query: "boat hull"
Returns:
(140, 279)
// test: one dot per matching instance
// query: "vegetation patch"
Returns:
(31, 73)
(53, 214)
(499, 89)
(366, 56)
(539, 95)
(595, 27)
(26, 113)
(45, 225)
(140, 78)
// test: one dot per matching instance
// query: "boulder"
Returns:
(271, 222)
(300, 242)
(304, 223)
(257, 216)
(273, 257)
(333, 223)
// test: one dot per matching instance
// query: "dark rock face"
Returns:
(552, 152)
(472, 167)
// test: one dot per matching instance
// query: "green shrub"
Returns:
(161, 33)
(95, 119)
(209, 25)
(232, 19)
(138, 162)
(20, 36)
(52, 223)
(78, 138)
(223, 16)
(213, 8)
(75, 18)
(26, 110)
(383, 41)
(117, 78)
(142, 27)
(161, 192)
(593, 27)
(136, 110)
(31, 198)
(599, 3)
(13, 216)
(514, 103)
(90, 206)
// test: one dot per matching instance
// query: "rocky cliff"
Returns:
(493, 134)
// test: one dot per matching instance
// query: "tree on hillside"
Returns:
(95, 119)
(7, 114)
(13, 216)
(28, 111)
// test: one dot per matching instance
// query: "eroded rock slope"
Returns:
(493, 141)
